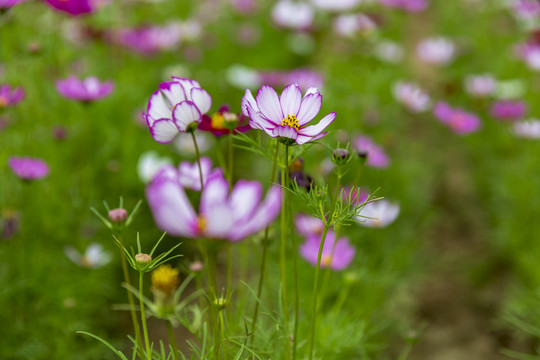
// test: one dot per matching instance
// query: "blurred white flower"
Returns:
(243, 77)
(529, 129)
(378, 214)
(149, 164)
(435, 51)
(412, 96)
(293, 15)
(351, 24)
(389, 51)
(93, 257)
(480, 85)
(336, 5)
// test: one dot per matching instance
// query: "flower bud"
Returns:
(143, 260)
(362, 154)
(340, 156)
(118, 216)
(196, 266)
(230, 120)
(220, 303)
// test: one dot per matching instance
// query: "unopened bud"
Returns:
(362, 154)
(230, 120)
(340, 156)
(143, 259)
(196, 266)
(118, 216)
(220, 303)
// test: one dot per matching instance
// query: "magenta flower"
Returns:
(376, 157)
(508, 110)
(223, 122)
(9, 96)
(189, 177)
(335, 255)
(378, 214)
(221, 216)
(149, 40)
(28, 168)
(6, 4)
(87, 90)
(406, 5)
(288, 116)
(73, 7)
(176, 107)
(458, 120)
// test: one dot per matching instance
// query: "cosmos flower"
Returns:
(293, 15)
(223, 122)
(28, 168)
(530, 53)
(529, 129)
(458, 120)
(287, 116)
(376, 157)
(308, 225)
(87, 90)
(480, 85)
(378, 214)
(508, 110)
(189, 177)
(148, 40)
(435, 51)
(177, 106)
(149, 165)
(335, 255)
(9, 96)
(336, 5)
(412, 97)
(352, 24)
(221, 216)
(406, 5)
(6, 4)
(94, 256)
(73, 7)
(526, 9)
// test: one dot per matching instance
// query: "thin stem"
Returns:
(404, 355)
(314, 309)
(223, 338)
(283, 253)
(263, 260)
(231, 160)
(198, 159)
(172, 340)
(143, 318)
(229, 266)
(341, 299)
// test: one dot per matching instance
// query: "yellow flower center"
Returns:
(165, 279)
(85, 262)
(326, 260)
(3, 101)
(202, 224)
(218, 122)
(291, 121)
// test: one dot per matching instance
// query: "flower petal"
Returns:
(244, 198)
(187, 85)
(214, 194)
(158, 107)
(248, 101)
(268, 103)
(258, 121)
(314, 130)
(285, 131)
(163, 130)
(290, 100)
(186, 113)
(202, 99)
(309, 108)
(173, 92)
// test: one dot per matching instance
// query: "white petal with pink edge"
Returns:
(285, 131)
(268, 102)
(158, 107)
(245, 197)
(164, 130)
(186, 113)
(309, 108)
(314, 130)
(202, 99)
(290, 100)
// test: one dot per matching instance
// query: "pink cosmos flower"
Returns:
(378, 214)
(529, 129)
(376, 157)
(406, 5)
(6, 4)
(149, 40)
(225, 216)
(458, 120)
(28, 168)
(293, 15)
(287, 116)
(435, 51)
(530, 53)
(526, 9)
(335, 255)
(176, 107)
(412, 97)
(9, 96)
(73, 7)
(189, 177)
(480, 85)
(508, 110)
(87, 90)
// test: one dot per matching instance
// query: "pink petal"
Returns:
(290, 100)
(268, 103)
(309, 108)
(314, 130)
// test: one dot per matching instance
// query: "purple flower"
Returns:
(412, 97)
(9, 96)
(435, 51)
(73, 7)
(335, 255)
(221, 216)
(508, 110)
(376, 157)
(149, 40)
(6, 4)
(378, 214)
(406, 5)
(480, 85)
(293, 15)
(177, 106)
(28, 168)
(458, 120)
(286, 116)
(189, 177)
(87, 90)
(529, 129)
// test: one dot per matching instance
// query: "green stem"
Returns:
(130, 296)
(143, 318)
(283, 253)
(198, 159)
(314, 308)
(404, 355)
(223, 338)
(229, 266)
(341, 299)
(172, 340)
(328, 270)
(263, 260)
(231, 160)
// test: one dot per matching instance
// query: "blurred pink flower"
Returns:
(376, 157)
(10, 96)
(149, 40)
(87, 90)
(28, 168)
(406, 5)
(508, 110)
(480, 85)
(458, 120)
(435, 51)
(412, 96)
(305, 78)
(352, 24)
(73, 7)
(6, 4)
(336, 255)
